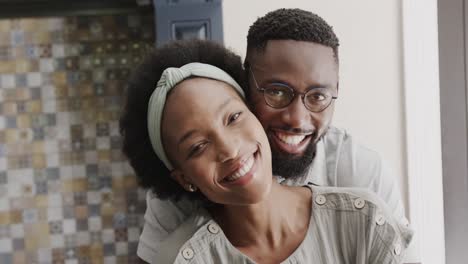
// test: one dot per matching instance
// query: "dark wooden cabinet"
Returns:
(187, 19)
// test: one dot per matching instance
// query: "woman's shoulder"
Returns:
(353, 210)
(188, 236)
(209, 245)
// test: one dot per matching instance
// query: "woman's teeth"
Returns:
(243, 170)
(290, 140)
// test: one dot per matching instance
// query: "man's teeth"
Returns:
(289, 139)
(243, 170)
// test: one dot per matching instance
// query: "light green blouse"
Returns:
(347, 225)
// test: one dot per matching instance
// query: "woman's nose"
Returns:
(228, 148)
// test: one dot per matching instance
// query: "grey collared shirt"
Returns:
(352, 226)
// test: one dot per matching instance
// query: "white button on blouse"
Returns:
(359, 203)
(379, 219)
(320, 199)
(187, 253)
(397, 249)
(213, 228)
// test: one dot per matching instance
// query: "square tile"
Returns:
(83, 239)
(103, 143)
(4, 232)
(58, 255)
(109, 259)
(121, 234)
(3, 177)
(57, 241)
(58, 50)
(70, 240)
(121, 248)
(120, 220)
(54, 199)
(4, 205)
(108, 236)
(69, 226)
(109, 249)
(133, 234)
(6, 245)
(30, 216)
(95, 223)
(34, 79)
(17, 230)
(54, 213)
(7, 81)
(18, 244)
(6, 258)
(21, 80)
(44, 255)
(56, 227)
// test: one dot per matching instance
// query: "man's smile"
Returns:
(292, 143)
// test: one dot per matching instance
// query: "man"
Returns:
(292, 63)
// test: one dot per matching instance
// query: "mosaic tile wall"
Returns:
(66, 193)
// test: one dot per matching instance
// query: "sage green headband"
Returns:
(170, 78)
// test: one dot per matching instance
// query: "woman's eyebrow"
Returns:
(190, 133)
(186, 136)
(223, 105)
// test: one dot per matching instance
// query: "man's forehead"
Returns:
(277, 51)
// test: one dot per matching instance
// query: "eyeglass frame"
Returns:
(294, 93)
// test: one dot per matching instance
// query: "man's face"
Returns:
(293, 131)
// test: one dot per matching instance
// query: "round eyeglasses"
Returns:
(279, 95)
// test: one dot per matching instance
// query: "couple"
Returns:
(193, 141)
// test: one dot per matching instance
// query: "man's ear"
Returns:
(180, 178)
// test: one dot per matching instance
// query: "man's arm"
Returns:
(162, 217)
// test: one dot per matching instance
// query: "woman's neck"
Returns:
(283, 215)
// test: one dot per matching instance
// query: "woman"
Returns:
(195, 124)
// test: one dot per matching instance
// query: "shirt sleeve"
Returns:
(353, 165)
(162, 217)
(388, 240)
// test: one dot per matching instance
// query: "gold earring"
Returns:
(192, 188)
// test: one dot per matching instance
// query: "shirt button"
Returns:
(214, 229)
(187, 253)
(379, 219)
(320, 199)
(397, 249)
(359, 203)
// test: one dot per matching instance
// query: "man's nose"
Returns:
(296, 115)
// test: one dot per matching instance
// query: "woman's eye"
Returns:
(197, 149)
(234, 117)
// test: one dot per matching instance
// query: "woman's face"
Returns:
(216, 143)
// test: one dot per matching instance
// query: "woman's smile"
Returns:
(243, 171)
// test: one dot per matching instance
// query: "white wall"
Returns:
(371, 103)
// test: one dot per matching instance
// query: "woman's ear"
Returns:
(180, 178)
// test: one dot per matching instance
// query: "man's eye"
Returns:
(276, 93)
(317, 96)
(234, 117)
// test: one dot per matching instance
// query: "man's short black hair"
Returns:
(291, 24)
(149, 169)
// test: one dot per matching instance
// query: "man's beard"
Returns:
(291, 166)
